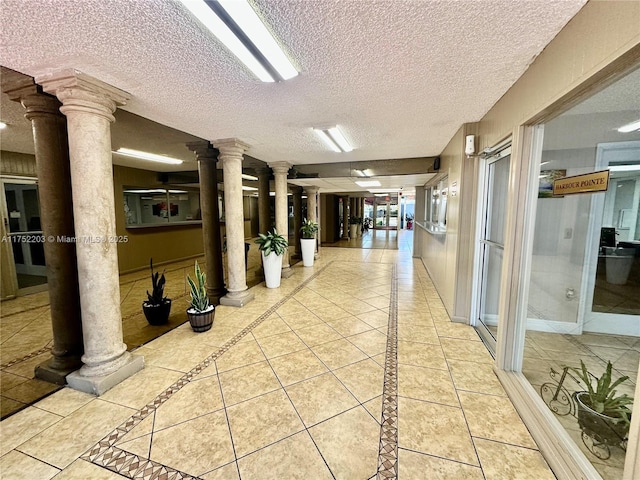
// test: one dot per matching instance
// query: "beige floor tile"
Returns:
(456, 349)
(421, 355)
(65, 441)
(355, 432)
(475, 377)
(196, 446)
(141, 388)
(414, 465)
(24, 425)
(281, 344)
(375, 318)
(320, 398)
(262, 421)
(294, 458)
(248, 382)
(358, 307)
(381, 301)
(140, 446)
(144, 428)
(240, 355)
(18, 466)
(65, 401)
(226, 472)
(332, 313)
(372, 342)
(426, 384)
(434, 429)
(83, 470)
(9, 380)
(418, 333)
(270, 326)
(199, 397)
(291, 307)
(495, 418)
(350, 326)
(338, 353)
(374, 407)
(457, 330)
(507, 462)
(318, 334)
(365, 379)
(297, 366)
(181, 360)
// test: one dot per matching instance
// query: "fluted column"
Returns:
(345, 217)
(264, 201)
(89, 105)
(297, 219)
(280, 170)
(54, 191)
(231, 155)
(207, 158)
(312, 208)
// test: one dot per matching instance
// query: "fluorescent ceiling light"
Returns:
(128, 152)
(154, 190)
(3, 125)
(249, 177)
(624, 168)
(334, 139)
(384, 190)
(368, 183)
(252, 43)
(380, 194)
(630, 127)
(248, 189)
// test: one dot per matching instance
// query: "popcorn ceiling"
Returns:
(398, 76)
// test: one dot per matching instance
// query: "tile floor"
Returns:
(350, 370)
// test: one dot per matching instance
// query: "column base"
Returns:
(215, 295)
(100, 384)
(45, 371)
(286, 272)
(237, 299)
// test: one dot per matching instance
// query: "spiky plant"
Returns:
(272, 242)
(198, 290)
(157, 283)
(309, 228)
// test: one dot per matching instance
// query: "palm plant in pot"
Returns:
(157, 307)
(308, 241)
(603, 415)
(272, 247)
(200, 312)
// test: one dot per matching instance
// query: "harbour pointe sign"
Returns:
(589, 182)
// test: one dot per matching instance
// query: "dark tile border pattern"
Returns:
(388, 453)
(106, 455)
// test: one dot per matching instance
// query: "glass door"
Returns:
(491, 245)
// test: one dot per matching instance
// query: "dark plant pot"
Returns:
(602, 428)
(201, 321)
(157, 314)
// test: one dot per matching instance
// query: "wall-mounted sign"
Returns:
(589, 182)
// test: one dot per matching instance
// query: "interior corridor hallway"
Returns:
(350, 370)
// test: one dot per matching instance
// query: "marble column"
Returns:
(312, 209)
(280, 171)
(207, 159)
(231, 155)
(264, 200)
(56, 218)
(345, 217)
(297, 219)
(89, 105)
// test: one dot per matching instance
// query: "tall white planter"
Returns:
(308, 246)
(354, 231)
(272, 265)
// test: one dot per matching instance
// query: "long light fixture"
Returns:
(630, 127)
(624, 168)
(129, 152)
(368, 183)
(249, 177)
(249, 189)
(384, 190)
(3, 125)
(334, 139)
(238, 27)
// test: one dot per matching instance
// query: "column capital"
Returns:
(311, 190)
(22, 89)
(280, 167)
(203, 150)
(82, 93)
(296, 189)
(264, 170)
(231, 147)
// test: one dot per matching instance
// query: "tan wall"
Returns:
(163, 244)
(600, 33)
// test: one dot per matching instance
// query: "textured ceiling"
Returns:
(398, 76)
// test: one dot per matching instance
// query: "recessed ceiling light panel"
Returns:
(368, 183)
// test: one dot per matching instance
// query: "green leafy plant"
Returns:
(353, 220)
(156, 297)
(272, 242)
(198, 290)
(308, 229)
(601, 393)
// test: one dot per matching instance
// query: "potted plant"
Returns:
(603, 415)
(308, 242)
(200, 312)
(360, 228)
(157, 307)
(272, 247)
(353, 227)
